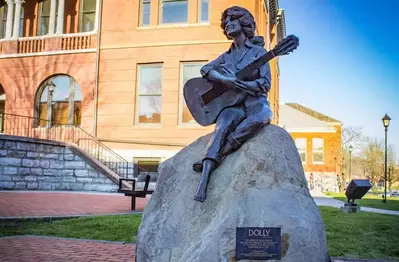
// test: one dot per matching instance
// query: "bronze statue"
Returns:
(233, 91)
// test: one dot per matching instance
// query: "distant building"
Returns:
(117, 69)
(318, 139)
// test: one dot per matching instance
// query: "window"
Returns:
(149, 94)
(88, 15)
(63, 105)
(188, 71)
(146, 165)
(318, 150)
(174, 11)
(301, 145)
(44, 17)
(3, 21)
(203, 11)
(22, 21)
(145, 12)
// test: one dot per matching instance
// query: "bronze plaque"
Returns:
(258, 243)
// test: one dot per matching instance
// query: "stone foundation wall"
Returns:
(33, 164)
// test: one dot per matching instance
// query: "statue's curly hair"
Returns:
(246, 20)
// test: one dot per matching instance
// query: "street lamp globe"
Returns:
(51, 86)
(385, 120)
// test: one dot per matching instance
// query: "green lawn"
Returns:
(113, 228)
(360, 235)
(371, 201)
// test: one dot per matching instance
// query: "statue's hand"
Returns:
(227, 72)
(233, 82)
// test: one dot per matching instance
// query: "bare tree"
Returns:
(373, 159)
(351, 135)
(392, 174)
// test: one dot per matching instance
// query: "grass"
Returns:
(358, 235)
(371, 201)
(361, 235)
(113, 228)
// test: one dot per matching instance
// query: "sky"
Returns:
(347, 62)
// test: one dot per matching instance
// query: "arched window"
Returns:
(59, 101)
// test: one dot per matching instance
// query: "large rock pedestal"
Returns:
(260, 185)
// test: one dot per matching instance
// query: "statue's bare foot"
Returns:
(197, 166)
(201, 195)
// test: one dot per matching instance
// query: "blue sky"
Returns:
(347, 64)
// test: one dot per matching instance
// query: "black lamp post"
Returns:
(350, 162)
(51, 87)
(385, 121)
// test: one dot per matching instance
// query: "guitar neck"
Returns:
(258, 63)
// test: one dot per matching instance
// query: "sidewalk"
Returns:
(63, 204)
(329, 201)
(49, 249)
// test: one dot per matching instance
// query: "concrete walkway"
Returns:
(329, 201)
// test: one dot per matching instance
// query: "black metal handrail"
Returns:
(19, 125)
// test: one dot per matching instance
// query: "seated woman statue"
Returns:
(240, 122)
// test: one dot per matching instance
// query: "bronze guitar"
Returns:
(205, 99)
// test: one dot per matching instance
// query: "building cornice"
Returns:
(274, 7)
(281, 32)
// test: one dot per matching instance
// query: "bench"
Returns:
(133, 193)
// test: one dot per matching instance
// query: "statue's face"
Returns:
(232, 27)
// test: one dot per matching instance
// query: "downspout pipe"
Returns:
(100, 15)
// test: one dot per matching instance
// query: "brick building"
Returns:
(318, 139)
(116, 68)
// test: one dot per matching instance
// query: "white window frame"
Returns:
(81, 12)
(302, 150)
(181, 89)
(40, 15)
(200, 11)
(3, 23)
(137, 107)
(142, 13)
(318, 151)
(161, 12)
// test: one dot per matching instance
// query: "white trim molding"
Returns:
(92, 50)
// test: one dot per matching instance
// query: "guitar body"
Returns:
(207, 113)
(206, 99)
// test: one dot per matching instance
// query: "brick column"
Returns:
(60, 18)
(17, 18)
(10, 13)
(51, 26)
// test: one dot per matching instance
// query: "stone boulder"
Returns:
(260, 185)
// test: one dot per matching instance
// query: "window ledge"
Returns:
(173, 25)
